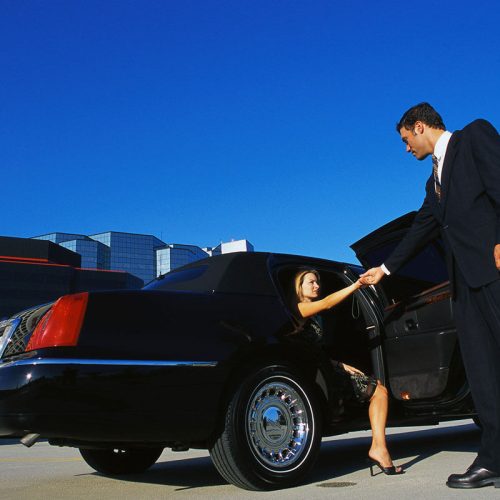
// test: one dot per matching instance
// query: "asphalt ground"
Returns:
(428, 454)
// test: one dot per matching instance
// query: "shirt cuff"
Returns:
(386, 271)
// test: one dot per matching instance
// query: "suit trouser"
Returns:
(477, 313)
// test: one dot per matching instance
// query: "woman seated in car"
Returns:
(309, 304)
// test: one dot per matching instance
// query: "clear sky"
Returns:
(199, 121)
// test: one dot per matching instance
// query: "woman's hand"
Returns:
(359, 284)
(350, 369)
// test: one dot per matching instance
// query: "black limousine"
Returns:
(205, 357)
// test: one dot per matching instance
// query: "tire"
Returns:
(272, 431)
(121, 461)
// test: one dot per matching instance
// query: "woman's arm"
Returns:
(307, 309)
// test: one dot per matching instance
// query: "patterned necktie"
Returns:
(437, 184)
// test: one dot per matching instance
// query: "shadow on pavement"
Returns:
(344, 456)
(6, 441)
(187, 474)
(337, 458)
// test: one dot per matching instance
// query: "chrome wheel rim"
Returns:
(279, 420)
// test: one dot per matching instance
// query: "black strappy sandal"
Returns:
(390, 471)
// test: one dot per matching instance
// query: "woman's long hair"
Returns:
(299, 279)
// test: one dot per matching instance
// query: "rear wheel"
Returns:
(121, 461)
(272, 431)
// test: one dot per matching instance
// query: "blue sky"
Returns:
(199, 121)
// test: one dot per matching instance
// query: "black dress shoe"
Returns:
(474, 477)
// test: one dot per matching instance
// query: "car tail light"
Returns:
(61, 325)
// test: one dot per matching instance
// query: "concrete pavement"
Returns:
(429, 455)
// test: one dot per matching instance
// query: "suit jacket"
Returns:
(468, 216)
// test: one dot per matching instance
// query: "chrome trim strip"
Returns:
(110, 362)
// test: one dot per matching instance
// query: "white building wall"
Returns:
(236, 246)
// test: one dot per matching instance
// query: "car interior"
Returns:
(344, 327)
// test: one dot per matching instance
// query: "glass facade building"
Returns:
(133, 253)
(141, 255)
(176, 255)
(60, 237)
(94, 254)
(173, 256)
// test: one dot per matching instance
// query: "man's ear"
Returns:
(418, 128)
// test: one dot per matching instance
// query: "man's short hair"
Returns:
(422, 112)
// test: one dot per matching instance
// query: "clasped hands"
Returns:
(372, 276)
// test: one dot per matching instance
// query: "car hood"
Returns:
(367, 249)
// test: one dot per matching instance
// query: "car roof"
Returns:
(238, 272)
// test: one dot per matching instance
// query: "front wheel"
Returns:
(121, 461)
(272, 431)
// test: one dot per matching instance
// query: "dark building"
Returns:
(35, 272)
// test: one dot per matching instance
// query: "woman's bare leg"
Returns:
(377, 412)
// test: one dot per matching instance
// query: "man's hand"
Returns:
(374, 275)
(496, 254)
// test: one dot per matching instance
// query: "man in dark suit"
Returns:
(462, 204)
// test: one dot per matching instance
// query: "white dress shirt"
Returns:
(440, 150)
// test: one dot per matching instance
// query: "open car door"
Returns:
(419, 339)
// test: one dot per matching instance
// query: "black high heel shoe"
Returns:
(389, 471)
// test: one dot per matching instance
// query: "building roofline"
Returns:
(54, 232)
(124, 232)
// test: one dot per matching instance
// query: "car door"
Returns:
(419, 338)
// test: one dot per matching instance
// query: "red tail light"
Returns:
(61, 325)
